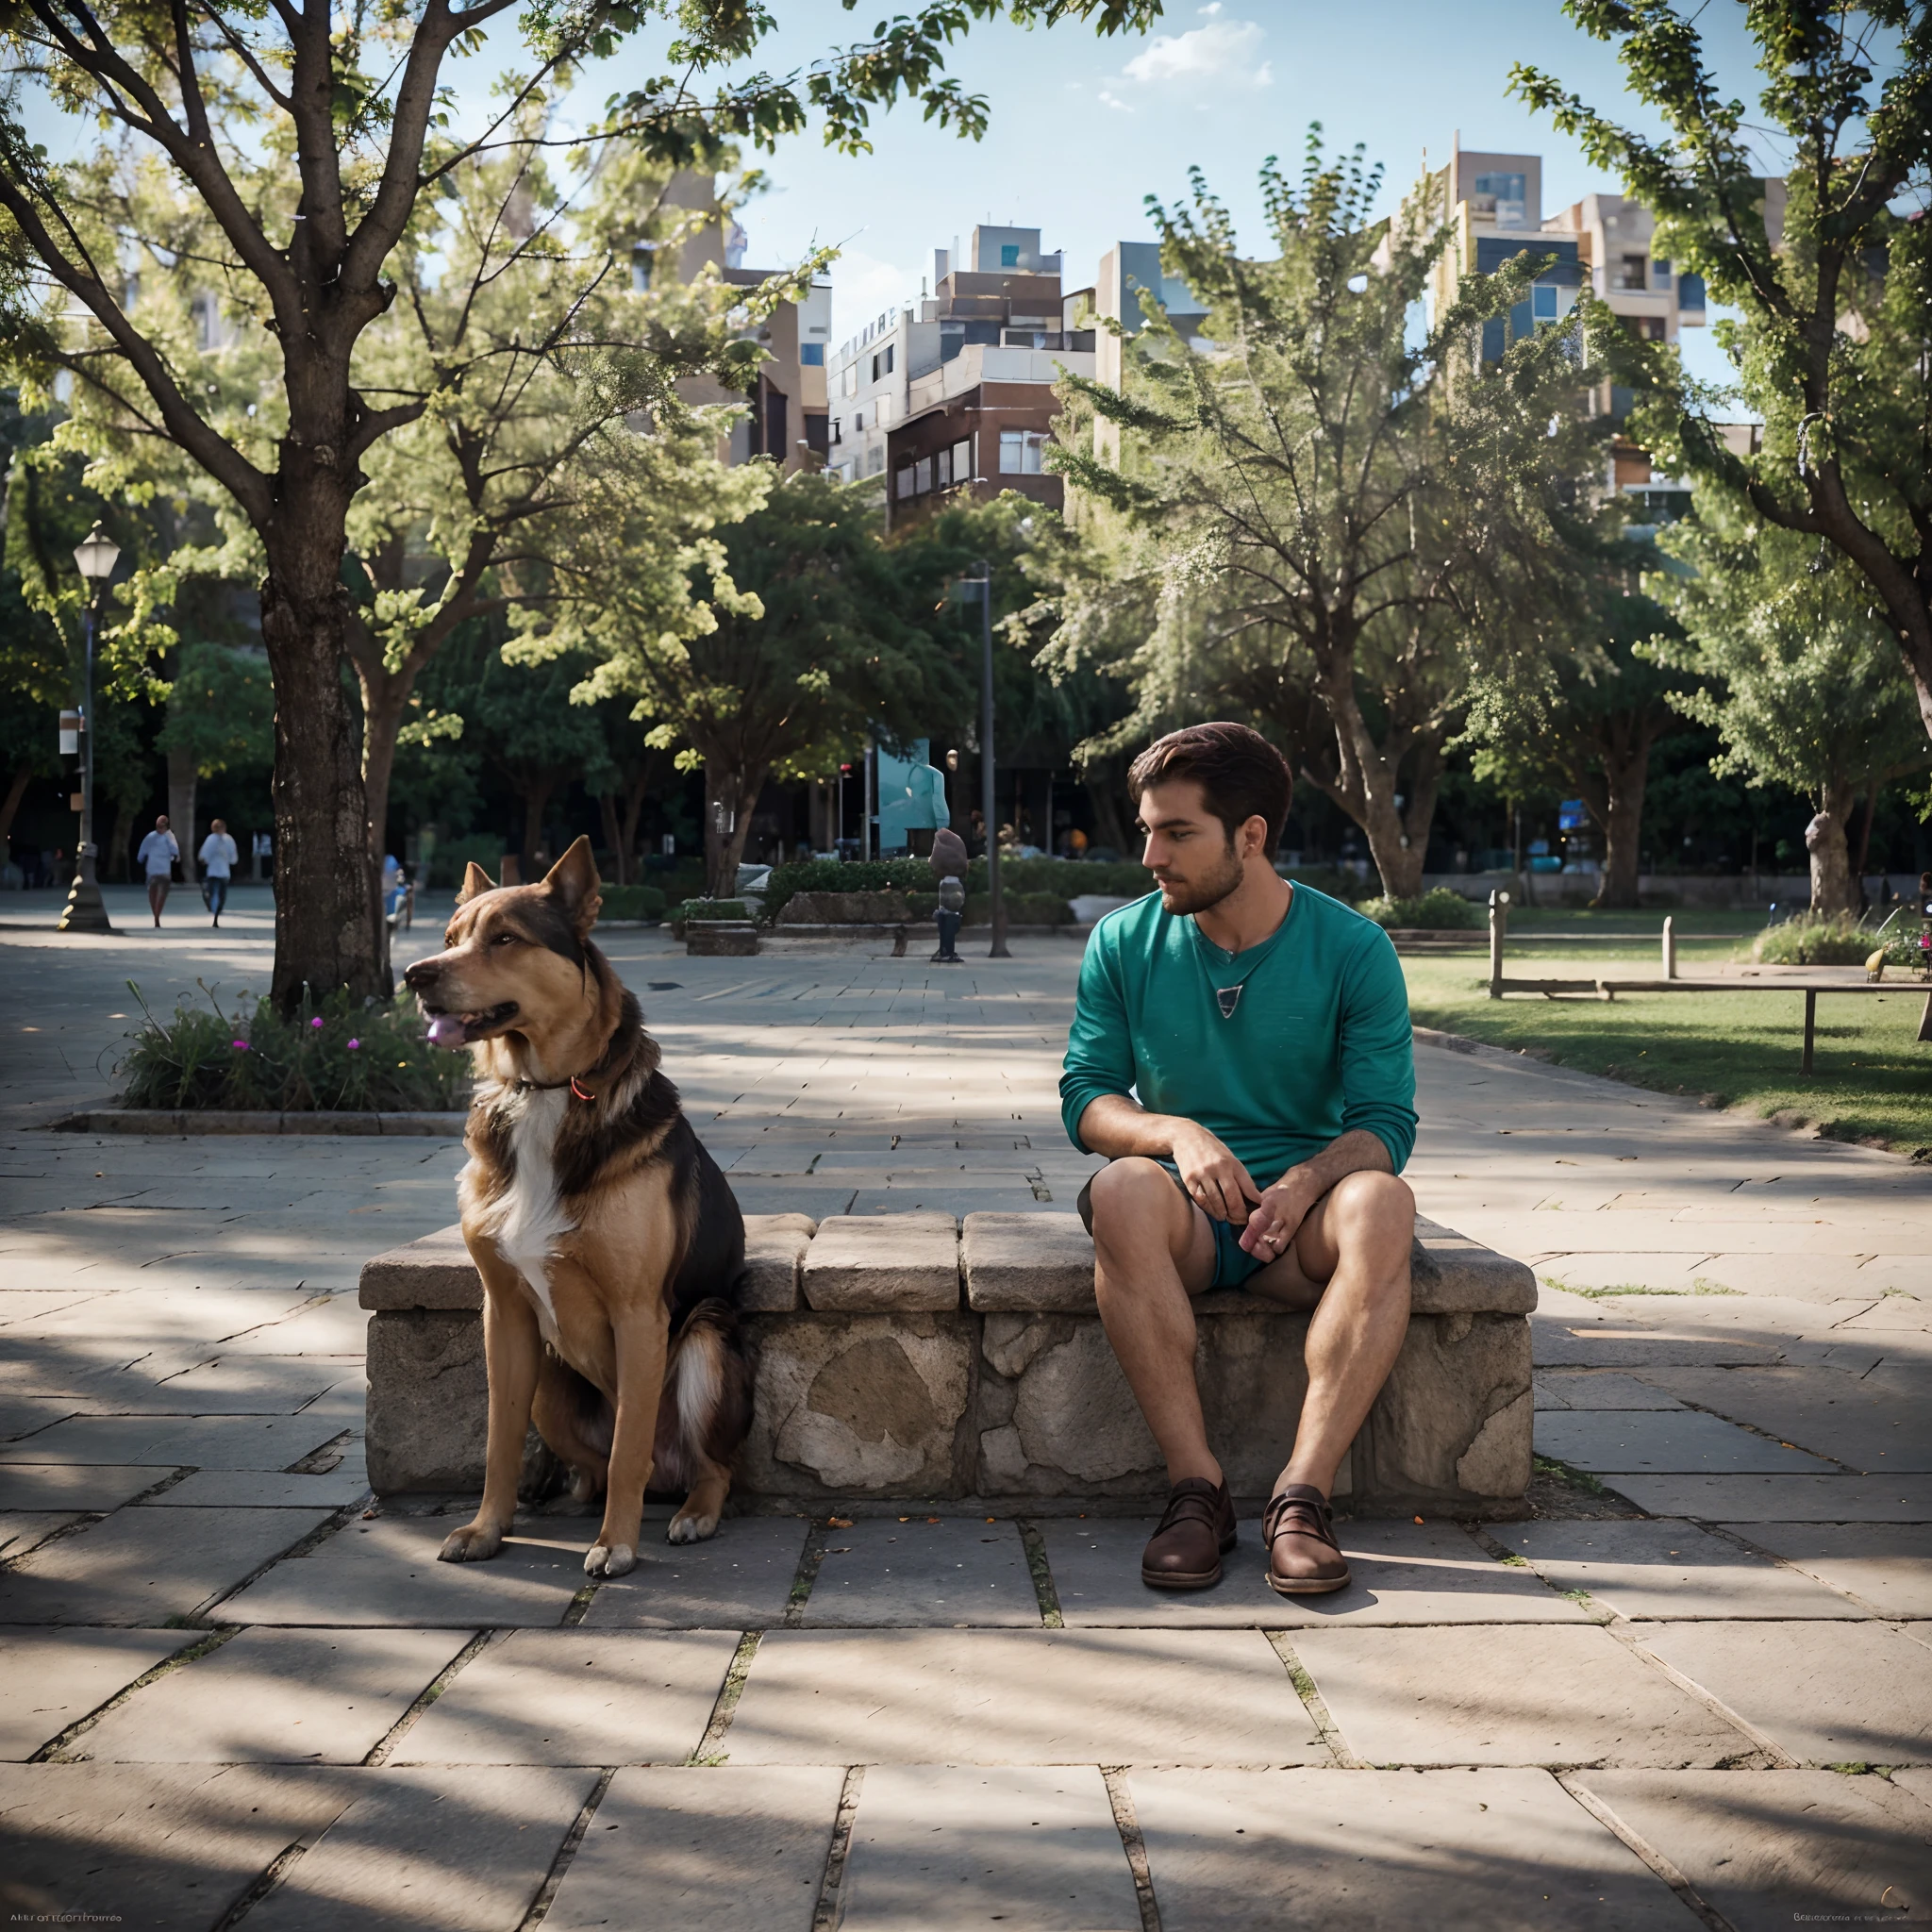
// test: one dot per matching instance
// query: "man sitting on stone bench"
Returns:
(1240, 1051)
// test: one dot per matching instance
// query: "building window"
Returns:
(848, 381)
(902, 483)
(1544, 301)
(811, 354)
(1010, 255)
(1631, 272)
(1660, 274)
(1646, 328)
(857, 421)
(962, 460)
(876, 368)
(889, 347)
(641, 266)
(881, 411)
(1506, 197)
(1020, 452)
(942, 469)
(922, 477)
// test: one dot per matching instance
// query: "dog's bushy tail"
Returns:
(708, 1394)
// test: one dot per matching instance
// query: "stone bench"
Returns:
(901, 1356)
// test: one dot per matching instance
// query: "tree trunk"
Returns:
(536, 796)
(1626, 775)
(327, 905)
(1832, 890)
(383, 705)
(117, 853)
(736, 790)
(1109, 823)
(634, 795)
(613, 837)
(16, 791)
(181, 779)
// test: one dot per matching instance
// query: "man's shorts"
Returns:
(1233, 1264)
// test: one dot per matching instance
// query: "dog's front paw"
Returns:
(607, 1559)
(476, 1543)
(690, 1529)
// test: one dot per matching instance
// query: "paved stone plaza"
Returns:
(1695, 1688)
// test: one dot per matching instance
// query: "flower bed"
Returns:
(341, 1055)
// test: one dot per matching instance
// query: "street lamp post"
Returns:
(986, 770)
(95, 558)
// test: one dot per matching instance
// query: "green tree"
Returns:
(305, 141)
(221, 715)
(1828, 269)
(1583, 720)
(807, 632)
(1336, 522)
(1802, 688)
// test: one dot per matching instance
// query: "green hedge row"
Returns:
(634, 902)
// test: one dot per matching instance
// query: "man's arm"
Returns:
(1282, 1208)
(1216, 1182)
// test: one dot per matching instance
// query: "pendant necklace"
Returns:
(1227, 998)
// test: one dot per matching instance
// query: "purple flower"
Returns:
(355, 1046)
(239, 1045)
(317, 1020)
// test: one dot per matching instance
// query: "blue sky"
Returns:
(1084, 128)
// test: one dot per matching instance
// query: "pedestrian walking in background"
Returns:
(218, 856)
(158, 854)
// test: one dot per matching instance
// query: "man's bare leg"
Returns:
(1153, 1249)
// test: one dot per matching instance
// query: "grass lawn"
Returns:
(1873, 1080)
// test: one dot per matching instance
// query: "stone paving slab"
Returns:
(1597, 1389)
(387, 1573)
(462, 1848)
(566, 1697)
(1528, 1694)
(144, 1566)
(329, 1329)
(856, 1262)
(51, 1678)
(1309, 1851)
(727, 1848)
(76, 1485)
(1020, 1697)
(1830, 1693)
(1554, 1345)
(200, 1442)
(1772, 1848)
(740, 1579)
(180, 1844)
(261, 1489)
(882, 1573)
(953, 1848)
(243, 1385)
(1782, 1498)
(1873, 1427)
(1887, 1565)
(26, 1415)
(1656, 1568)
(271, 1696)
(1405, 1573)
(21, 1531)
(1670, 1441)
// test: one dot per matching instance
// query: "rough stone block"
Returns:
(719, 938)
(774, 1249)
(867, 1262)
(433, 1272)
(1452, 1425)
(429, 1400)
(869, 1402)
(1035, 1262)
(1455, 1276)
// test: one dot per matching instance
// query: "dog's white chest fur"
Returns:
(528, 1219)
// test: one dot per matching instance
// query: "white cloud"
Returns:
(863, 287)
(1110, 99)
(1223, 50)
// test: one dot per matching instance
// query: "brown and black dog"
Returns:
(611, 1249)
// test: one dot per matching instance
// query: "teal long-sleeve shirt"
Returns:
(1317, 1041)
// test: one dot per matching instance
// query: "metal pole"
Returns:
(85, 910)
(1499, 913)
(986, 767)
(865, 845)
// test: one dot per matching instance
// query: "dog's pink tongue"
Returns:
(447, 1029)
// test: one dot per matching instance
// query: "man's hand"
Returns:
(1216, 1182)
(1278, 1215)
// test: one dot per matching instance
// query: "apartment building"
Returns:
(786, 419)
(1604, 243)
(1128, 270)
(956, 393)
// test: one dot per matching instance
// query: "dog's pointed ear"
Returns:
(574, 881)
(476, 882)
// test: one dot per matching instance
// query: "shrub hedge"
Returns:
(634, 902)
(1836, 941)
(1439, 910)
(341, 1055)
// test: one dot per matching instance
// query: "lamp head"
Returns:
(96, 555)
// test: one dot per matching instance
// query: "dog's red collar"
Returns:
(553, 1086)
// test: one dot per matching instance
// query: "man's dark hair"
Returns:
(1241, 775)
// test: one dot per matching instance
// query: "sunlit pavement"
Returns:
(226, 1695)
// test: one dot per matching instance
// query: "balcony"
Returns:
(979, 362)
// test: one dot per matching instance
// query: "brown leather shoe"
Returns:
(1196, 1532)
(1304, 1559)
